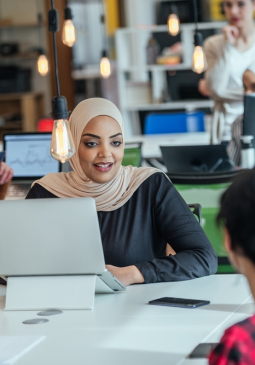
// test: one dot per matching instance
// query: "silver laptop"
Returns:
(52, 237)
(28, 154)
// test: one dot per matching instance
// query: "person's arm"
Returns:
(195, 256)
(219, 52)
(6, 174)
(230, 350)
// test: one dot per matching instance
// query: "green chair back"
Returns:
(208, 197)
(132, 156)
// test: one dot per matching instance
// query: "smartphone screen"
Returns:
(179, 302)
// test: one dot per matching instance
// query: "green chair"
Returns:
(207, 192)
(132, 154)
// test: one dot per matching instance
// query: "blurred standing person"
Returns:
(229, 55)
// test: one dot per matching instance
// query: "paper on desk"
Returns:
(13, 347)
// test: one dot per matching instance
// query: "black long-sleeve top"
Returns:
(137, 233)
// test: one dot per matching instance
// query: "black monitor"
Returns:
(196, 159)
(249, 116)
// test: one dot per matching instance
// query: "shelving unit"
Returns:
(29, 105)
(132, 66)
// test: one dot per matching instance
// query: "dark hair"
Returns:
(237, 213)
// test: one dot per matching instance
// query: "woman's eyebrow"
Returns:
(115, 135)
(91, 135)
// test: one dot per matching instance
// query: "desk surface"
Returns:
(151, 142)
(122, 328)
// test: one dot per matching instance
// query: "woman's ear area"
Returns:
(235, 258)
(227, 240)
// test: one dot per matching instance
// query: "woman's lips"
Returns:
(103, 167)
(235, 20)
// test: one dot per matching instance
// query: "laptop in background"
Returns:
(28, 154)
(196, 159)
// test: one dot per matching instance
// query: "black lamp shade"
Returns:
(59, 108)
(198, 39)
(68, 14)
(104, 53)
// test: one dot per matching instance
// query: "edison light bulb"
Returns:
(199, 63)
(173, 24)
(62, 145)
(69, 36)
(42, 65)
(105, 67)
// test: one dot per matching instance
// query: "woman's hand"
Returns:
(6, 173)
(127, 275)
(231, 34)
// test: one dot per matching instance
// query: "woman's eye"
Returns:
(117, 143)
(227, 4)
(91, 144)
(241, 4)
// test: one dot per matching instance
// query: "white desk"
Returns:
(123, 329)
(151, 142)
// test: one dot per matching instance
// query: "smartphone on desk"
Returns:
(179, 302)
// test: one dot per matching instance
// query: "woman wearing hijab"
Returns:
(139, 210)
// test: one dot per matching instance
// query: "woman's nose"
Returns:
(234, 9)
(105, 152)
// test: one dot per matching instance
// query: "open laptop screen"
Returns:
(28, 154)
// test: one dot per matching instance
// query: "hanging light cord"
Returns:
(102, 25)
(55, 56)
(195, 14)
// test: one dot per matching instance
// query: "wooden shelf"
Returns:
(19, 56)
(11, 125)
(25, 25)
(179, 66)
(172, 105)
(18, 96)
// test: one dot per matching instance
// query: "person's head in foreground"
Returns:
(237, 213)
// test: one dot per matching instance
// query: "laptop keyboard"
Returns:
(18, 190)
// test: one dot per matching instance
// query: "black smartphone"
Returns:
(202, 350)
(2, 154)
(179, 302)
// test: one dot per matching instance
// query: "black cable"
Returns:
(55, 56)
(56, 62)
(195, 14)
(102, 25)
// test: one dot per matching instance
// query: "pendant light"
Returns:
(69, 35)
(173, 22)
(199, 63)
(42, 63)
(62, 145)
(105, 65)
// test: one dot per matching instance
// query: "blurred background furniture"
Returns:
(174, 123)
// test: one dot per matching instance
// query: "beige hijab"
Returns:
(111, 195)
